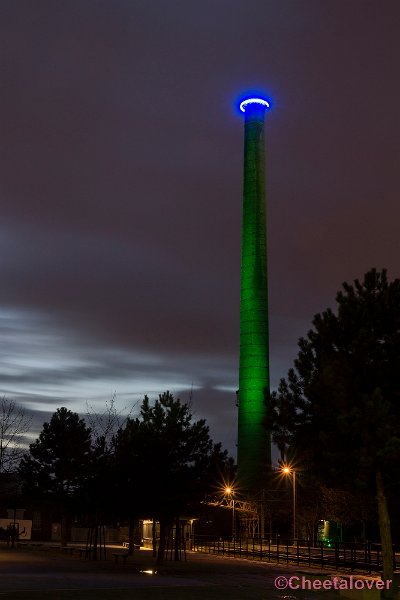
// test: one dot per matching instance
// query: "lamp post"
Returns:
(13, 527)
(291, 471)
(230, 493)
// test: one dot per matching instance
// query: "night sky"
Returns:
(121, 187)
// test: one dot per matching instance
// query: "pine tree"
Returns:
(57, 465)
(339, 409)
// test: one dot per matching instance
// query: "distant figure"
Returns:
(12, 535)
(8, 534)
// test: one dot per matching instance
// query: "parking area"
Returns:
(49, 574)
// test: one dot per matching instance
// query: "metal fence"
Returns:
(339, 555)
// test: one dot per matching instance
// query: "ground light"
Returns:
(148, 572)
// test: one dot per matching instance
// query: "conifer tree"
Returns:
(58, 462)
(339, 409)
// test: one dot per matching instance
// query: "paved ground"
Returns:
(45, 574)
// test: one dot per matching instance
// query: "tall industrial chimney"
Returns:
(254, 440)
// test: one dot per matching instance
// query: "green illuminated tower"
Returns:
(254, 441)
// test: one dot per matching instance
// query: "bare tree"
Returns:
(14, 423)
(105, 425)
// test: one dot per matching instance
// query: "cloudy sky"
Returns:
(121, 187)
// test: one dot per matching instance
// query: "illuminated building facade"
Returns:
(254, 441)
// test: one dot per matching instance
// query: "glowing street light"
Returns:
(290, 471)
(229, 491)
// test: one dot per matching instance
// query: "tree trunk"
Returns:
(131, 536)
(164, 525)
(95, 541)
(385, 532)
(64, 526)
(154, 535)
(177, 540)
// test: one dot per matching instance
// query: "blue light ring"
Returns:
(249, 101)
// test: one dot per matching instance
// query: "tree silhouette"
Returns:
(58, 461)
(14, 423)
(164, 461)
(339, 409)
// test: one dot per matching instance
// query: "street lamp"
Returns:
(229, 491)
(14, 525)
(291, 471)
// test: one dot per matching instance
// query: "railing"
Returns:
(339, 555)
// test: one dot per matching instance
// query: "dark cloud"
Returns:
(121, 176)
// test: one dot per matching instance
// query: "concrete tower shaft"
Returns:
(254, 441)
